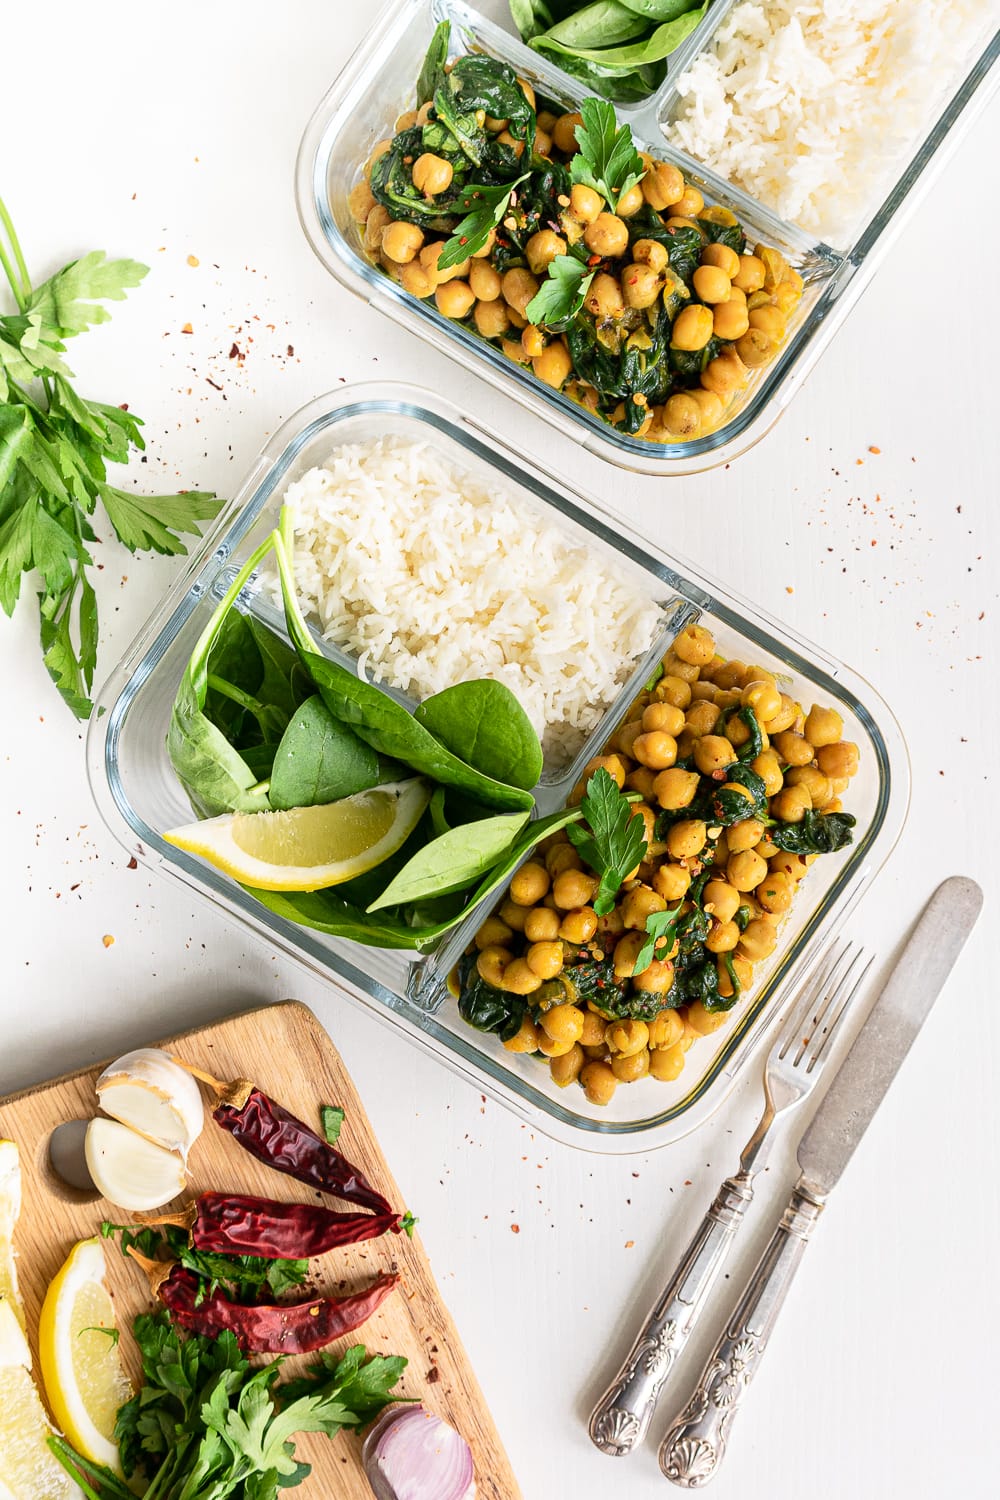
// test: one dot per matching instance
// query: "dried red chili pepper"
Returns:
(233, 1224)
(268, 1131)
(274, 1328)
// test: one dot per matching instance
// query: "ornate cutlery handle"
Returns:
(620, 1419)
(695, 1445)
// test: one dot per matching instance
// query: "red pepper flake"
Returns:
(187, 328)
(594, 260)
(629, 1244)
(872, 449)
(687, 1182)
(290, 351)
(789, 589)
(515, 1229)
(234, 352)
(433, 1375)
(133, 864)
(108, 940)
(214, 384)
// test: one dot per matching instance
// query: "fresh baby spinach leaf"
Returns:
(432, 73)
(453, 860)
(484, 724)
(320, 760)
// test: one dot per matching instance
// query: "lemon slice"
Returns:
(10, 1208)
(81, 1368)
(309, 848)
(28, 1468)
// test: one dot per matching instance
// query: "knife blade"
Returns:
(887, 1035)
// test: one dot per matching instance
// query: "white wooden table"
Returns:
(169, 132)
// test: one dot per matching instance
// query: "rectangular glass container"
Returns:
(139, 795)
(379, 83)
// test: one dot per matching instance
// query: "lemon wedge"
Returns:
(81, 1368)
(28, 1468)
(10, 1208)
(309, 848)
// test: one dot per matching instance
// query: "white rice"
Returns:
(811, 106)
(430, 578)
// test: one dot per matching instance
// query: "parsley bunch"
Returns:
(614, 840)
(54, 446)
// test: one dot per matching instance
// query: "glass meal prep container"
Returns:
(379, 83)
(139, 795)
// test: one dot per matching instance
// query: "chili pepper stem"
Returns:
(183, 1220)
(156, 1270)
(234, 1094)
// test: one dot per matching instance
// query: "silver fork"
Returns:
(621, 1418)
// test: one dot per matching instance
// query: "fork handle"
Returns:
(621, 1418)
(695, 1445)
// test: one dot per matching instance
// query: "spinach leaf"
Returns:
(453, 860)
(487, 206)
(271, 721)
(689, 363)
(486, 1008)
(615, 842)
(724, 234)
(325, 911)
(755, 744)
(818, 833)
(483, 722)
(729, 807)
(378, 719)
(531, 17)
(475, 84)
(640, 51)
(600, 24)
(283, 684)
(432, 71)
(318, 760)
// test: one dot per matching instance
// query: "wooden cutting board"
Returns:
(284, 1049)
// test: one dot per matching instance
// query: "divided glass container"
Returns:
(378, 84)
(140, 797)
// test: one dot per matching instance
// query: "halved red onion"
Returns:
(411, 1454)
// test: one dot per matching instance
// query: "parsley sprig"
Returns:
(607, 160)
(613, 842)
(54, 447)
(486, 207)
(561, 294)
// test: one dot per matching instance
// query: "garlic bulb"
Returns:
(129, 1170)
(149, 1092)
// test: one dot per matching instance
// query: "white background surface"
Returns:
(162, 132)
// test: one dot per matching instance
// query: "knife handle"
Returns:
(695, 1445)
(621, 1418)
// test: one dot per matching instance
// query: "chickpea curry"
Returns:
(550, 236)
(626, 938)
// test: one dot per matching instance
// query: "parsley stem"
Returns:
(23, 292)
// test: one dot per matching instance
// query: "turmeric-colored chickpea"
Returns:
(664, 717)
(687, 838)
(626, 952)
(599, 1083)
(750, 276)
(722, 937)
(626, 1037)
(671, 882)
(554, 365)
(793, 749)
(775, 892)
(573, 888)
(665, 1030)
(689, 205)
(607, 236)
(702, 717)
(542, 249)
(505, 138)
(655, 749)
(405, 121)
(703, 691)
(492, 319)
(604, 300)
(792, 865)
(763, 697)
(492, 963)
(630, 1069)
(811, 778)
(838, 760)
(640, 903)
(541, 925)
(360, 201)
(682, 415)
(518, 287)
(562, 857)
(492, 933)
(725, 373)
(529, 884)
(526, 1038)
(579, 925)
(758, 941)
(594, 1026)
(766, 847)
(713, 753)
(791, 804)
(564, 132)
(711, 284)
(549, 1047)
(642, 779)
(563, 1023)
(515, 916)
(744, 835)
(704, 1021)
(662, 184)
(545, 959)
(455, 299)
(431, 174)
(566, 1069)
(672, 689)
(722, 256)
(402, 242)
(532, 340)
(692, 328)
(745, 870)
(485, 281)
(376, 225)
(519, 978)
(584, 203)
(768, 768)
(650, 253)
(770, 320)
(784, 718)
(667, 1064)
(627, 736)
(415, 279)
(430, 257)
(721, 900)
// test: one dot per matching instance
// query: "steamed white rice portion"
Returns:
(810, 106)
(430, 578)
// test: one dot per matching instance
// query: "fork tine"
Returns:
(834, 1022)
(815, 983)
(824, 1001)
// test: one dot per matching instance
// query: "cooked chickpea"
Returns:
(671, 881)
(823, 726)
(722, 937)
(662, 184)
(730, 320)
(491, 318)
(515, 916)
(549, 1047)
(518, 287)
(713, 753)
(554, 365)
(692, 328)
(526, 1038)
(541, 925)
(626, 952)
(758, 941)
(360, 201)
(432, 174)
(599, 1083)
(492, 964)
(702, 718)
(650, 253)
(665, 1030)
(641, 285)
(769, 320)
(542, 249)
(689, 205)
(455, 299)
(704, 1021)
(666, 718)
(744, 835)
(655, 749)
(572, 889)
(402, 242)
(725, 373)
(838, 760)
(505, 138)
(694, 645)
(675, 690)
(676, 666)
(584, 203)
(625, 1038)
(485, 281)
(376, 224)
(579, 925)
(545, 959)
(756, 348)
(711, 284)
(682, 415)
(775, 892)
(750, 275)
(562, 857)
(563, 1023)
(530, 884)
(791, 804)
(630, 1069)
(667, 1064)
(594, 1026)
(564, 133)
(742, 968)
(721, 900)
(792, 865)
(639, 904)
(430, 255)
(687, 838)
(604, 299)
(711, 408)
(745, 870)
(768, 768)
(405, 121)
(543, 142)
(493, 932)
(519, 978)
(763, 697)
(814, 782)
(722, 256)
(566, 1069)
(794, 749)
(416, 280)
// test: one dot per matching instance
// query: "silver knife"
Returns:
(695, 1445)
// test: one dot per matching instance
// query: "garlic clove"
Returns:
(130, 1171)
(148, 1091)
